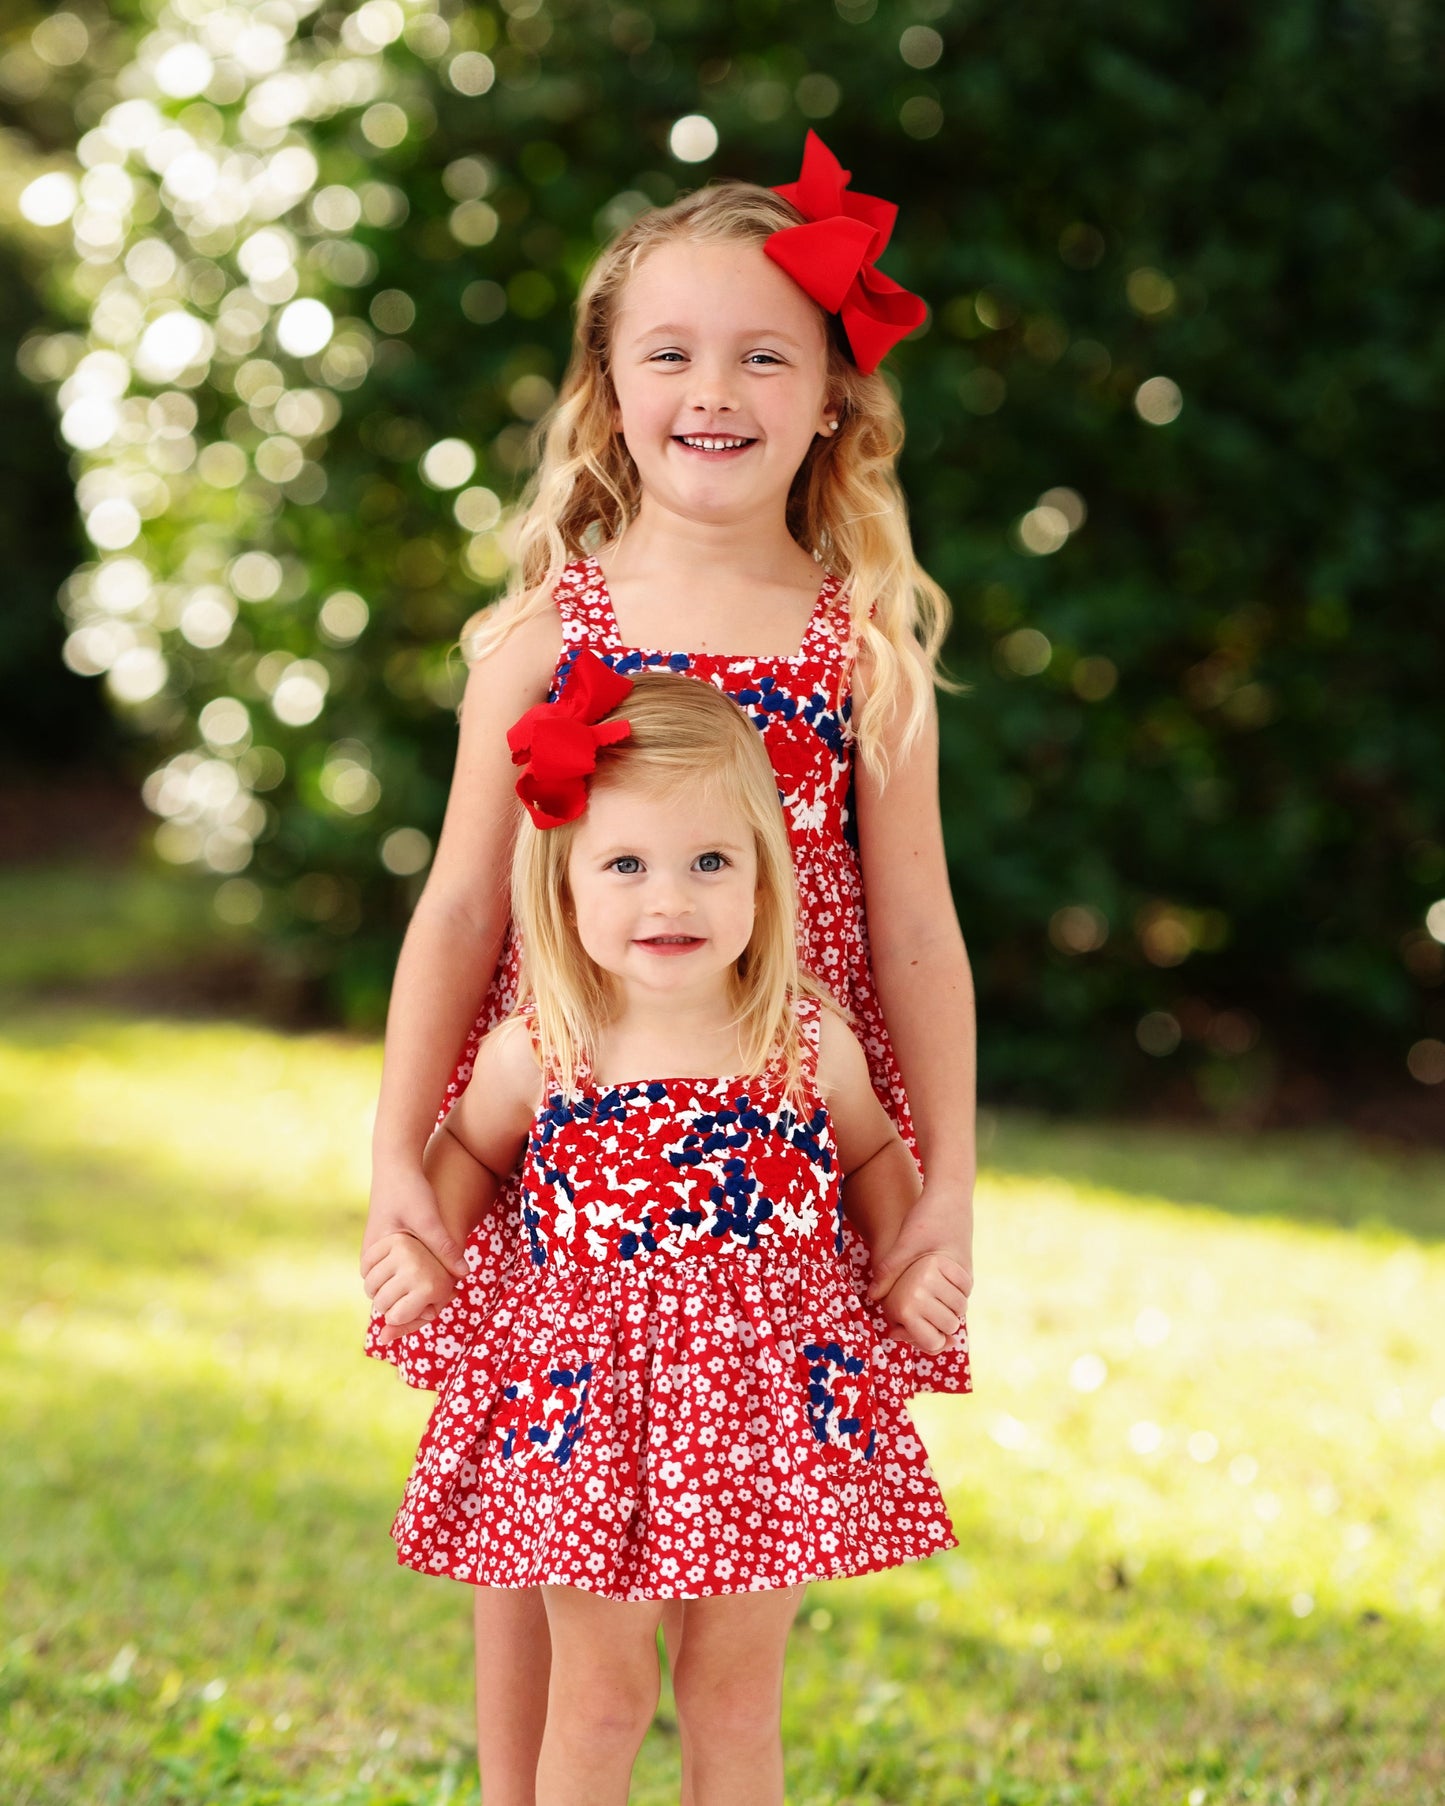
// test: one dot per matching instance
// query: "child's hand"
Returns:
(406, 1283)
(927, 1303)
(404, 1203)
(924, 1279)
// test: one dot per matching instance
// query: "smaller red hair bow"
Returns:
(832, 257)
(558, 742)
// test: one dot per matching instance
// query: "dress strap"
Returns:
(580, 598)
(829, 633)
(526, 1014)
(809, 1014)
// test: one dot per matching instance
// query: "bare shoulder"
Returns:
(842, 1063)
(504, 1091)
(517, 672)
(507, 1058)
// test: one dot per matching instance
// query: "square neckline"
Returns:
(828, 591)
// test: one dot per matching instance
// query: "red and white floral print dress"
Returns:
(802, 706)
(676, 1392)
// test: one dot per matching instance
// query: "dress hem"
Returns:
(840, 1570)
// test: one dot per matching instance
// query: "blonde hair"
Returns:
(686, 736)
(846, 505)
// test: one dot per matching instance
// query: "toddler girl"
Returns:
(675, 1393)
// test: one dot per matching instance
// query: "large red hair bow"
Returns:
(832, 257)
(558, 742)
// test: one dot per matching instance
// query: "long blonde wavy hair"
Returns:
(846, 505)
(686, 737)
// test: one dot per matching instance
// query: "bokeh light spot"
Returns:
(693, 139)
(1026, 652)
(1042, 530)
(405, 851)
(471, 72)
(342, 617)
(50, 199)
(448, 464)
(921, 117)
(1157, 1033)
(183, 71)
(305, 328)
(1158, 401)
(920, 46)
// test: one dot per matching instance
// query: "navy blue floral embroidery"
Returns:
(550, 1421)
(836, 1388)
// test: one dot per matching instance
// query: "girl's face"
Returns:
(719, 364)
(664, 889)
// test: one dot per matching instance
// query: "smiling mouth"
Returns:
(670, 943)
(713, 443)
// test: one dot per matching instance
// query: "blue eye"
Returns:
(765, 357)
(711, 862)
(626, 866)
(660, 356)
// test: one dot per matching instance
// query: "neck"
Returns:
(757, 549)
(677, 1015)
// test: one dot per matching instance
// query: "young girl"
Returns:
(675, 1394)
(716, 496)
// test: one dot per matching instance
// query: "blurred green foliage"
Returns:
(1169, 452)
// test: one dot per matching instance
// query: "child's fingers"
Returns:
(375, 1276)
(928, 1318)
(406, 1322)
(395, 1289)
(419, 1297)
(379, 1254)
(951, 1296)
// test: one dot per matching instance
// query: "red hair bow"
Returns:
(558, 742)
(832, 257)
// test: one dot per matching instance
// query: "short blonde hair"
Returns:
(846, 505)
(685, 736)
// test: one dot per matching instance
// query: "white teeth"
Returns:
(712, 444)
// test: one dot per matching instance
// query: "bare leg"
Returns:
(729, 1685)
(603, 1694)
(672, 1622)
(513, 1658)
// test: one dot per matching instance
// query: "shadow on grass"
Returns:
(1321, 1178)
(228, 1534)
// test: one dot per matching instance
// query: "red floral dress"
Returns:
(676, 1392)
(802, 706)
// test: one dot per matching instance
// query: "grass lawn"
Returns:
(1200, 1490)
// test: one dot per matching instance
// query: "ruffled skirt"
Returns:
(675, 1429)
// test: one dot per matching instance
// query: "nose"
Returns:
(713, 389)
(668, 896)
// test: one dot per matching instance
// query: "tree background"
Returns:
(1169, 451)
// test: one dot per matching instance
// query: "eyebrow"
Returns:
(751, 333)
(622, 850)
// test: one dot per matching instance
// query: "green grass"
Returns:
(197, 1588)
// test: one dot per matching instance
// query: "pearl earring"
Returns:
(833, 426)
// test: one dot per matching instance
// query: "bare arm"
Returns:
(470, 1157)
(880, 1181)
(923, 976)
(455, 936)
(926, 1299)
(466, 1162)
